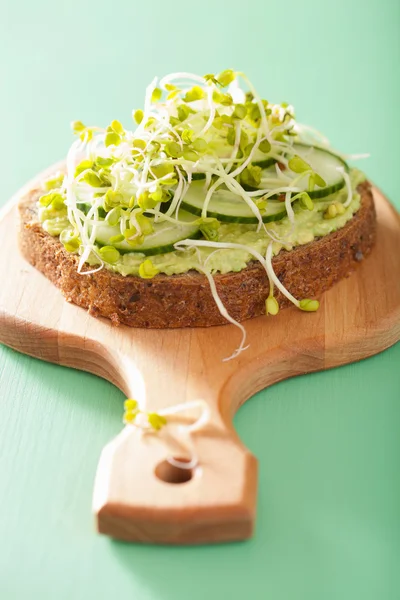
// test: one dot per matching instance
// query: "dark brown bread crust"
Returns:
(186, 300)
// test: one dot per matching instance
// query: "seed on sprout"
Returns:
(330, 212)
(173, 149)
(112, 139)
(340, 208)
(298, 165)
(309, 305)
(156, 95)
(226, 77)
(195, 93)
(271, 306)
(138, 116)
(240, 111)
(109, 254)
(147, 270)
(116, 126)
(265, 146)
(183, 112)
(156, 421)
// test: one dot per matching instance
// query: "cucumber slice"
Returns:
(259, 160)
(228, 207)
(161, 241)
(323, 162)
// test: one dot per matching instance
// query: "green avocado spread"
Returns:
(308, 225)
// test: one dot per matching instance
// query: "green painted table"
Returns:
(329, 444)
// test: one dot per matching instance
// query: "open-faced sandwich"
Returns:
(218, 206)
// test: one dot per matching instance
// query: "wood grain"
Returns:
(358, 318)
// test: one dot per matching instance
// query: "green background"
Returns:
(328, 523)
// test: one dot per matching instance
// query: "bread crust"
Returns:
(168, 301)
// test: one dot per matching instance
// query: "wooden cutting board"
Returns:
(139, 495)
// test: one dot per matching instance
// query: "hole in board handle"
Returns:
(173, 474)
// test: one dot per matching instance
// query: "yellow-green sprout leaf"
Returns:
(139, 143)
(305, 201)
(109, 254)
(190, 155)
(156, 421)
(116, 239)
(224, 99)
(200, 145)
(251, 176)
(195, 93)
(112, 139)
(187, 135)
(131, 404)
(183, 112)
(240, 111)
(84, 165)
(309, 305)
(70, 240)
(156, 95)
(231, 136)
(209, 228)
(298, 165)
(132, 236)
(77, 126)
(226, 77)
(113, 216)
(55, 181)
(147, 270)
(162, 170)
(170, 87)
(145, 201)
(104, 162)
(130, 416)
(116, 126)
(92, 178)
(319, 181)
(145, 224)
(138, 116)
(173, 149)
(54, 199)
(265, 146)
(271, 306)
(331, 212)
(210, 78)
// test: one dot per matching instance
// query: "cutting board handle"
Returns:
(140, 496)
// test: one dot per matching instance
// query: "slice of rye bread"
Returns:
(186, 300)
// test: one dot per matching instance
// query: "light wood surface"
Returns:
(358, 318)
